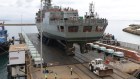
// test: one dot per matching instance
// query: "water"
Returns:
(14, 30)
(114, 27)
(3, 64)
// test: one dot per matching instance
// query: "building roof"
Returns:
(18, 47)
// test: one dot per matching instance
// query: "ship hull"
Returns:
(66, 40)
(4, 47)
(54, 34)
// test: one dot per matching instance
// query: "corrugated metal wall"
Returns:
(129, 45)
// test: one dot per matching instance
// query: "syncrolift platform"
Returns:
(56, 57)
(61, 63)
(51, 55)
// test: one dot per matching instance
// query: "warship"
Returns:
(66, 27)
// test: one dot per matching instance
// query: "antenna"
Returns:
(47, 4)
(91, 9)
(49, 1)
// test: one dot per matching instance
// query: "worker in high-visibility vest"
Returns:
(46, 71)
(71, 70)
(46, 77)
(55, 76)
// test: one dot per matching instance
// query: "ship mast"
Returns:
(47, 4)
(91, 9)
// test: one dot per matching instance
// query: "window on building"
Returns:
(87, 28)
(73, 29)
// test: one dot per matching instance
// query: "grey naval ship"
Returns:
(64, 27)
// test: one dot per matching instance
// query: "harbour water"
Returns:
(3, 64)
(115, 27)
(14, 30)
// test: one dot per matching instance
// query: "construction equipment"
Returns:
(97, 67)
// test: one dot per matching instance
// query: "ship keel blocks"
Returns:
(70, 49)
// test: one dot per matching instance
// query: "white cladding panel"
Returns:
(17, 58)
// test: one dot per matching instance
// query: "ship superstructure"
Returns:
(64, 24)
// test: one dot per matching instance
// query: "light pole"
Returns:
(86, 42)
(21, 23)
(86, 35)
(41, 36)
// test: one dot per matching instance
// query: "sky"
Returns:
(14, 10)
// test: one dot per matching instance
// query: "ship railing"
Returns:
(80, 22)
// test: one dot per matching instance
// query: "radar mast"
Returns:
(91, 9)
(47, 4)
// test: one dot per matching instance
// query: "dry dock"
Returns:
(52, 55)
(59, 64)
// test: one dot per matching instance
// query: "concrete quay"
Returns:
(59, 72)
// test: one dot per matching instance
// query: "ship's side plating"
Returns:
(66, 25)
(4, 44)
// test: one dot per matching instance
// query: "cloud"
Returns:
(65, 2)
(26, 3)
(110, 9)
(29, 1)
(19, 3)
(1, 5)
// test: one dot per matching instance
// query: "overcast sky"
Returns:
(110, 9)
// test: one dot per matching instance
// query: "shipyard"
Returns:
(63, 44)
